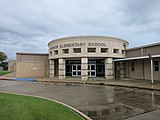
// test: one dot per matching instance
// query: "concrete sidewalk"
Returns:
(132, 83)
(141, 84)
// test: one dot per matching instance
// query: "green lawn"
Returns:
(18, 107)
(3, 72)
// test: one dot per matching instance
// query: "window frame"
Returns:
(65, 51)
(132, 66)
(104, 50)
(77, 50)
(116, 51)
(123, 51)
(89, 50)
(156, 66)
(50, 53)
(55, 52)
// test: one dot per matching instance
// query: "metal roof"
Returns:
(33, 53)
(144, 46)
(136, 58)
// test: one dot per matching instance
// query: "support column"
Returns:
(121, 70)
(51, 68)
(152, 77)
(62, 69)
(84, 69)
(109, 68)
(114, 70)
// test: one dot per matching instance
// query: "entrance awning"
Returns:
(135, 58)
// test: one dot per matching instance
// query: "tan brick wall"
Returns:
(11, 65)
(31, 69)
(30, 57)
(153, 49)
(133, 53)
(32, 65)
(139, 73)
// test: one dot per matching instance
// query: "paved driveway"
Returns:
(98, 102)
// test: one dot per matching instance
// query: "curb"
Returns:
(68, 106)
(128, 86)
(138, 87)
(5, 78)
(102, 83)
(90, 83)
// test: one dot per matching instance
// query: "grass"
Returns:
(3, 72)
(19, 107)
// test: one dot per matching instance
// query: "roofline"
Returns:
(143, 46)
(87, 36)
(135, 58)
(33, 53)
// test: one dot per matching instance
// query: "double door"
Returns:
(76, 70)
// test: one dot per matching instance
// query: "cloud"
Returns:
(28, 26)
(142, 11)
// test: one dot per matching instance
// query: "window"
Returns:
(65, 51)
(156, 65)
(77, 50)
(50, 53)
(132, 66)
(104, 50)
(91, 49)
(115, 51)
(55, 52)
(123, 51)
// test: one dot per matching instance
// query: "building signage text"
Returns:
(91, 44)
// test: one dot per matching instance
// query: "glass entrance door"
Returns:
(91, 70)
(76, 70)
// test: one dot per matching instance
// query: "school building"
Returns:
(91, 58)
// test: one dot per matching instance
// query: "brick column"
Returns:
(61, 70)
(109, 68)
(51, 68)
(84, 69)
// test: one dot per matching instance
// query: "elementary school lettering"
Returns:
(91, 44)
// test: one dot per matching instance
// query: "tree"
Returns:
(3, 57)
(3, 63)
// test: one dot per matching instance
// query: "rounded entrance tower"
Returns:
(85, 57)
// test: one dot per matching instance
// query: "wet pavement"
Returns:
(98, 102)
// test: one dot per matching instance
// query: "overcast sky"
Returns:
(28, 25)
